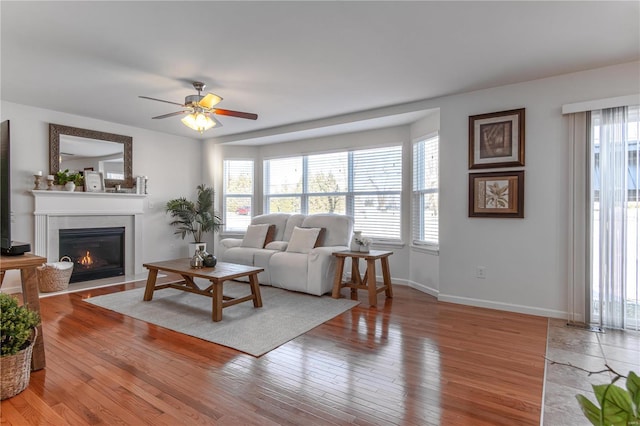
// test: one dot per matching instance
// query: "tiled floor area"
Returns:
(588, 350)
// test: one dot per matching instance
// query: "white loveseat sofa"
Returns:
(294, 259)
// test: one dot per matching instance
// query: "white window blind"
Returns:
(237, 194)
(425, 191)
(365, 184)
(283, 185)
(327, 182)
(376, 188)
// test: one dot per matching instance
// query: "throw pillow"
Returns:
(320, 240)
(255, 236)
(303, 240)
(271, 233)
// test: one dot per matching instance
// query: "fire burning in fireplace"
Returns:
(86, 260)
(96, 252)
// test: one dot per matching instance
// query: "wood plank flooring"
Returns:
(411, 361)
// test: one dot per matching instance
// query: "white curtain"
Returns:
(609, 221)
(578, 272)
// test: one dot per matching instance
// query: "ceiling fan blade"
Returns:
(160, 100)
(209, 101)
(172, 114)
(238, 114)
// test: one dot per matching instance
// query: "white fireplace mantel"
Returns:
(94, 208)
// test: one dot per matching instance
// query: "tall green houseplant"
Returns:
(195, 218)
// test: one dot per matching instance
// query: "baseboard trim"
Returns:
(482, 303)
(423, 288)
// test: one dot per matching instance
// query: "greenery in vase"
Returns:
(16, 325)
(195, 218)
(64, 176)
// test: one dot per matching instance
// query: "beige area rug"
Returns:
(256, 331)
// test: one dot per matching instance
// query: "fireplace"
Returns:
(95, 252)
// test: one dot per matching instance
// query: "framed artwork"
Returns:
(496, 139)
(93, 181)
(497, 194)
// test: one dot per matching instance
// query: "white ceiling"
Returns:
(298, 65)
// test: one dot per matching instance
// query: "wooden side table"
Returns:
(368, 282)
(30, 295)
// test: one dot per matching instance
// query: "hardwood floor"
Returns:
(411, 361)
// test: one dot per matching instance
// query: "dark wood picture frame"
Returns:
(496, 139)
(496, 194)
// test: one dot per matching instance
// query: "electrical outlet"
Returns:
(481, 272)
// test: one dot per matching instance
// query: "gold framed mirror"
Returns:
(79, 149)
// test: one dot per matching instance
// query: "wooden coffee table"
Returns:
(217, 276)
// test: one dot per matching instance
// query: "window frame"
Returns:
(418, 195)
(226, 195)
(349, 195)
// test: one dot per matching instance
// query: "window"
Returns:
(238, 194)
(425, 191)
(365, 184)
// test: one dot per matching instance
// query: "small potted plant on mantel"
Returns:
(68, 179)
(18, 334)
(195, 218)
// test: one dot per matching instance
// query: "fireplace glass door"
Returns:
(95, 252)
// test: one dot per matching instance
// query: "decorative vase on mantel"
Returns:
(355, 246)
(70, 186)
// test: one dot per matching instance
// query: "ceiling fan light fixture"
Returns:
(200, 121)
(209, 100)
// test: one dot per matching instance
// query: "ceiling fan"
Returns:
(199, 110)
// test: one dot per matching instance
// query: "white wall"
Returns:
(172, 163)
(526, 259)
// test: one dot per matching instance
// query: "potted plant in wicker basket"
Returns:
(18, 334)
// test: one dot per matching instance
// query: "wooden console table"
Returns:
(368, 282)
(30, 296)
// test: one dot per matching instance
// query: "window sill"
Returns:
(428, 249)
(388, 244)
(231, 234)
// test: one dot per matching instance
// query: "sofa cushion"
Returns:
(294, 220)
(338, 228)
(303, 240)
(277, 245)
(289, 270)
(255, 236)
(277, 219)
(240, 255)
